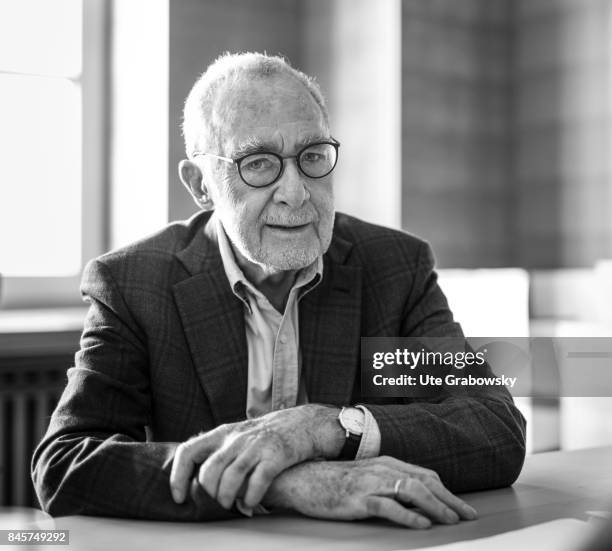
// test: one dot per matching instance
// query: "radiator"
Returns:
(29, 390)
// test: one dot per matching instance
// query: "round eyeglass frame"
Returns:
(238, 161)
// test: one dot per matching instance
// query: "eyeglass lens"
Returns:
(261, 169)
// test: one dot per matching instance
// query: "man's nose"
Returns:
(291, 189)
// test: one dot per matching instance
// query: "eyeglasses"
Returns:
(263, 168)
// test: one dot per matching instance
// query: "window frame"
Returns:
(46, 291)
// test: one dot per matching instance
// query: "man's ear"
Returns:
(193, 179)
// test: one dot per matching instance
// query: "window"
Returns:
(51, 169)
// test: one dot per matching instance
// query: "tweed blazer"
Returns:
(163, 356)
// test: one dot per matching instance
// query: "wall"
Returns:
(353, 47)
(138, 121)
(456, 132)
(562, 132)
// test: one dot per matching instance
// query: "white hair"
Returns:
(199, 128)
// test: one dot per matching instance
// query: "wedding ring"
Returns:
(396, 488)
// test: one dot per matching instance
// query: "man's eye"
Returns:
(312, 157)
(261, 163)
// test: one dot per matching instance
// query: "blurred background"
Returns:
(481, 125)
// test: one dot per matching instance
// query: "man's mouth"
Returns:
(288, 227)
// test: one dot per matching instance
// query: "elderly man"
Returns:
(219, 365)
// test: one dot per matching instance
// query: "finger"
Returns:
(213, 467)
(233, 477)
(412, 491)
(464, 510)
(259, 482)
(187, 456)
(384, 507)
(432, 481)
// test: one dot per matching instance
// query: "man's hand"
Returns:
(247, 456)
(348, 490)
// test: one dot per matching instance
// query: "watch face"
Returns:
(352, 419)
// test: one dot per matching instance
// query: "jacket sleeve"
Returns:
(474, 440)
(94, 458)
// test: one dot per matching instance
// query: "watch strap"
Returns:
(352, 440)
(351, 446)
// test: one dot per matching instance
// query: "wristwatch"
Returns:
(351, 420)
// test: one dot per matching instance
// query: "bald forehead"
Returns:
(264, 101)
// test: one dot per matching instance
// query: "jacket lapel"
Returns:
(213, 322)
(330, 330)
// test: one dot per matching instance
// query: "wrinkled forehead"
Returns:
(263, 106)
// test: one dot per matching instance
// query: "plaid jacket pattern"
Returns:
(163, 357)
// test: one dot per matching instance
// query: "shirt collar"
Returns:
(307, 277)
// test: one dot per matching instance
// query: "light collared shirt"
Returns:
(274, 359)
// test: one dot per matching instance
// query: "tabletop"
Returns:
(552, 485)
